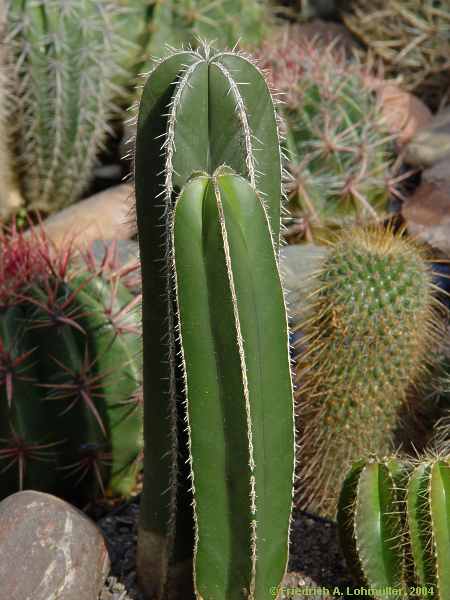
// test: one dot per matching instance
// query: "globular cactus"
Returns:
(217, 386)
(394, 524)
(372, 330)
(224, 22)
(71, 417)
(62, 60)
(411, 38)
(339, 152)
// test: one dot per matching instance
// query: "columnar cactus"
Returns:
(71, 421)
(215, 335)
(394, 523)
(63, 58)
(373, 320)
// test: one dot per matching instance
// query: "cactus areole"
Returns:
(218, 425)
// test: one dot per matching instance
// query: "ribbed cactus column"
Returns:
(394, 526)
(63, 60)
(225, 318)
(370, 523)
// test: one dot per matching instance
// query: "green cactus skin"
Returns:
(428, 516)
(370, 523)
(236, 358)
(394, 524)
(63, 59)
(374, 319)
(224, 22)
(197, 109)
(71, 420)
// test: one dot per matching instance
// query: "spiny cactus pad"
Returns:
(374, 318)
(71, 419)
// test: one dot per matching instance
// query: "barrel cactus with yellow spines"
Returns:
(373, 327)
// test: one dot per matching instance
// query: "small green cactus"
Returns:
(394, 524)
(71, 421)
(374, 319)
(338, 150)
(224, 22)
(216, 356)
(63, 59)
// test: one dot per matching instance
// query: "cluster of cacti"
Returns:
(71, 419)
(225, 22)
(394, 526)
(62, 60)
(217, 386)
(339, 152)
(411, 37)
(372, 321)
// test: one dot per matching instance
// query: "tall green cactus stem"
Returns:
(63, 58)
(394, 524)
(369, 340)
(370, 523)
(71, 421)
(195, 105)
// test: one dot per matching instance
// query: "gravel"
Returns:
(315, 558)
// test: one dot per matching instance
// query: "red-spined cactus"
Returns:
(339, 152)
(70, 414)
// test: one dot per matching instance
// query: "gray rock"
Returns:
(430, 144)
(297, 265)
(427, 214)
(106, 215)
(49, 550)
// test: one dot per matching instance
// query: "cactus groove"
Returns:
(394, 524)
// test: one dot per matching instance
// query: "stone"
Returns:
(427, 213)
(403, 113)
(297, 263)
(105, 215)
(430, 144)
(49, 550)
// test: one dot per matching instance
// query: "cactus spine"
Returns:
(339, 151)
(394, 523)
(71, 421)
(62, 59)
(203, 225)
(226, 22)
(373, 320)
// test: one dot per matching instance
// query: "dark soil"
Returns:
(315, 560)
